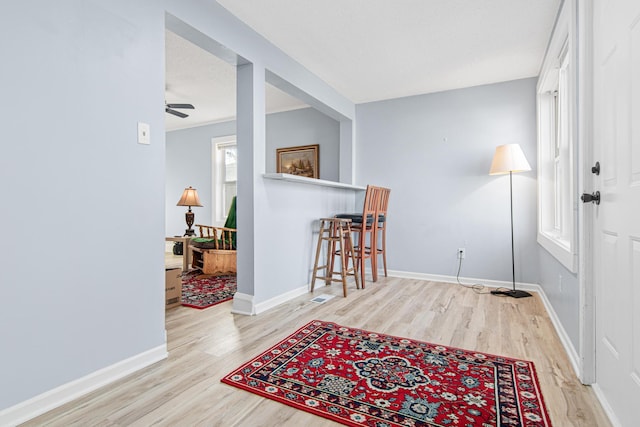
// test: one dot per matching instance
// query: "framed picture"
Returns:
(301, 161)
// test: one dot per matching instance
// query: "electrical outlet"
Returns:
(461, 252)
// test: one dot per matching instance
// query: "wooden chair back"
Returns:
(371, 201)
(222, 236)
(380, 232)
(383, 202)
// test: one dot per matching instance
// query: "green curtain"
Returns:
(231, 219)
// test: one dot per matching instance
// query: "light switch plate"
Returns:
(143, 133)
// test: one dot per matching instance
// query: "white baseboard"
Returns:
(574, 358)
(569, 348)
(464, 280)
(282, 298)
(245, 304)
(615, 422)
(65, 393)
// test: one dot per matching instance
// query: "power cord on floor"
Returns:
(476, 287)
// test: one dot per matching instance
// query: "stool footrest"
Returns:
(337, 233)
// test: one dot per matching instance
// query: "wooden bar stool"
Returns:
(337, 233)
(381, 229)
(365, 227)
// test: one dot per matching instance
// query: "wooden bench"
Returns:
(219, 260)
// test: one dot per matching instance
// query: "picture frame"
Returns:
(300, 161)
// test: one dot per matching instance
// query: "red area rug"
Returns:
(202, 290)
(361, 378)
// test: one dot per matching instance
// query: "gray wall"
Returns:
(305, 127)
(189, 161)
(189, 156)
(562, 288)
(74, 180)
(82, 279)
(434, 151)
(442, 196)
(84, 213)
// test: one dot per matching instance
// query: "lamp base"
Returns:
(189, 217)
(516, 293)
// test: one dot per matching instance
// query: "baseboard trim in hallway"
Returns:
(65, 393)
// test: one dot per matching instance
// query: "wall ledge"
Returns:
(312, 181)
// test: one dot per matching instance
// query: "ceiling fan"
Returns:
(169, 108)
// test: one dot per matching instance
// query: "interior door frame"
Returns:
(584, 11)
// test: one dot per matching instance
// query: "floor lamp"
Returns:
(509, 158)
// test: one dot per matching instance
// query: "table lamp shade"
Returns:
(508, 158)
(189, 198)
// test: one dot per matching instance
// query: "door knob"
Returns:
(591, 198)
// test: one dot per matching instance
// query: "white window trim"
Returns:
(219, 216)
(561, 244)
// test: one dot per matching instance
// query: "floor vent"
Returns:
(320, 299)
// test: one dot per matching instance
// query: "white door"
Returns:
(616, 235)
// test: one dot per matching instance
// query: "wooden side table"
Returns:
(186, 251)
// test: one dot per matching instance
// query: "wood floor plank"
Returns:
(206, 344)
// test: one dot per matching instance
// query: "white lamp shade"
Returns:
(509, 158)
(189, 198)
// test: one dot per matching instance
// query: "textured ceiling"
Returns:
(371, 50)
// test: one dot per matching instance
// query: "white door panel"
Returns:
(616, 231)
(635, 279)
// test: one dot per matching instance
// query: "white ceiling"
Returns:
(195, 76)
(370, 50)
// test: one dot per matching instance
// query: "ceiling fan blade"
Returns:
(189, 106)
(176, 113)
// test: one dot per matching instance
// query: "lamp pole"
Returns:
(510, 158)
(515, 293)
(513, 254)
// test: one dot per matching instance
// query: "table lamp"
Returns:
(189, 198)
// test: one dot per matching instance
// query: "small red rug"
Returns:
(361, 378)
(202, 290)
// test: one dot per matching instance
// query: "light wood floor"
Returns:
(185, 389)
